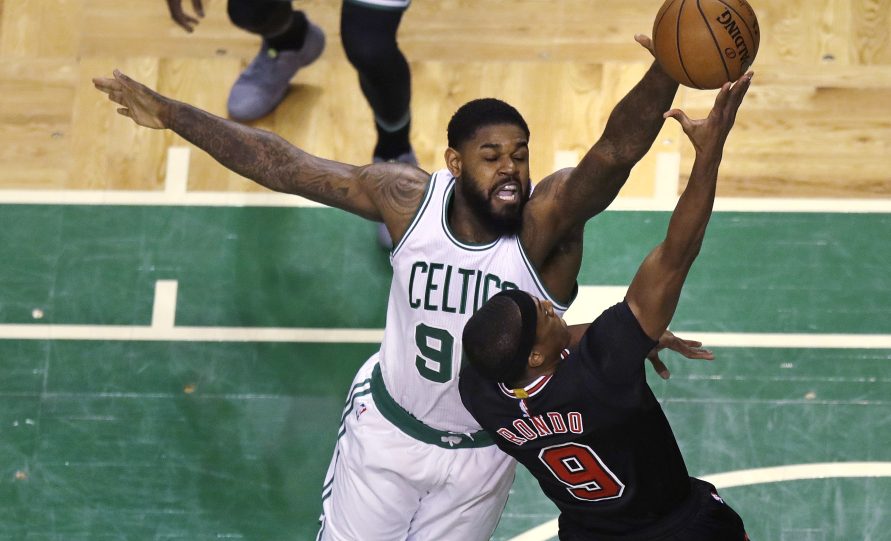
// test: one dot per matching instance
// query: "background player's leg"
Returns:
(369, 40)
(368, 33)
(290, 42)
(469, 505)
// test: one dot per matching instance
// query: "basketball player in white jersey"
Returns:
(410, 461)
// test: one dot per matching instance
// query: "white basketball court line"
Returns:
(791, 472)
(176, 178)
(273, 199)
(591, 301)
(176, 193)
(164, 307)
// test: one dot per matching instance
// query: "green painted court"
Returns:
(154, 439)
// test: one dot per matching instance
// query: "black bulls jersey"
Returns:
(592, 433)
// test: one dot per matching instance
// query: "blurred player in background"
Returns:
(290, 42)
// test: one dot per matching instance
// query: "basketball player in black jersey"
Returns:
(583, 420)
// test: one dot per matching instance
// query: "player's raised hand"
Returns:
(709, 134)
(690, 349)
(182, 18)
(145, 106)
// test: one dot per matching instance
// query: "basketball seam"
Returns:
(742, 21)
(714, 39)
(677, 41)
(664, 13)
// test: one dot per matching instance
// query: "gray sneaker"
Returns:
(264, 83)
(383, 236)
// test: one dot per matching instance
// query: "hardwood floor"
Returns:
(817, 122)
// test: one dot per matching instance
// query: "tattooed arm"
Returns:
(382, 192)
(567, 199)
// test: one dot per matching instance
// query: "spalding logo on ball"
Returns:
(706, 43)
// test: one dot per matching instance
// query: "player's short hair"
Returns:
(476, 114)
(498, 338)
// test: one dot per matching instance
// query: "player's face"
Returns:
(551, 330)
(495, 175)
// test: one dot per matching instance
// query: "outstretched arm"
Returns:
(572, 196)
(388, 192)
(629, 133)
(653, 294)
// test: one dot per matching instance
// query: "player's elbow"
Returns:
(595, 185)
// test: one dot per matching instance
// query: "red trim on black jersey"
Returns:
(533, 388)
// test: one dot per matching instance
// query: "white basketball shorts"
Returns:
(384, 485)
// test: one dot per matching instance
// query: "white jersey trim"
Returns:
(527, 391)
(428, 196)
(541, 287)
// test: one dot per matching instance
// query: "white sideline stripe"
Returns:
(164, 307)
(591, 300)
(188, 334)
(792, 340)
(759, 204)
(152, 198)
(792, 472)
(176, 179)
(27, 331)
(274, 199)
(668, 170)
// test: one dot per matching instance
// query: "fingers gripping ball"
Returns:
(705, 43)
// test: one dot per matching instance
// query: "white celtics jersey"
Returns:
(438, 283)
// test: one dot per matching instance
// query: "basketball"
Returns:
(705, 43)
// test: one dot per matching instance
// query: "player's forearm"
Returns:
(256, 154)
(654, 293)
(630, 131)
(636, 120)
(686, 229)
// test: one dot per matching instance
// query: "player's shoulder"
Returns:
(549, 187)
(616, 342)
(396, 187)
(544, 200)
(406, 176)
(613, 319)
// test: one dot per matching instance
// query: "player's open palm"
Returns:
(708, 134)
(137, 101)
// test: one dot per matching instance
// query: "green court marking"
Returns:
(274, 267)
(104, 440)
(780, 273)
(118, 448)
(144, 440)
